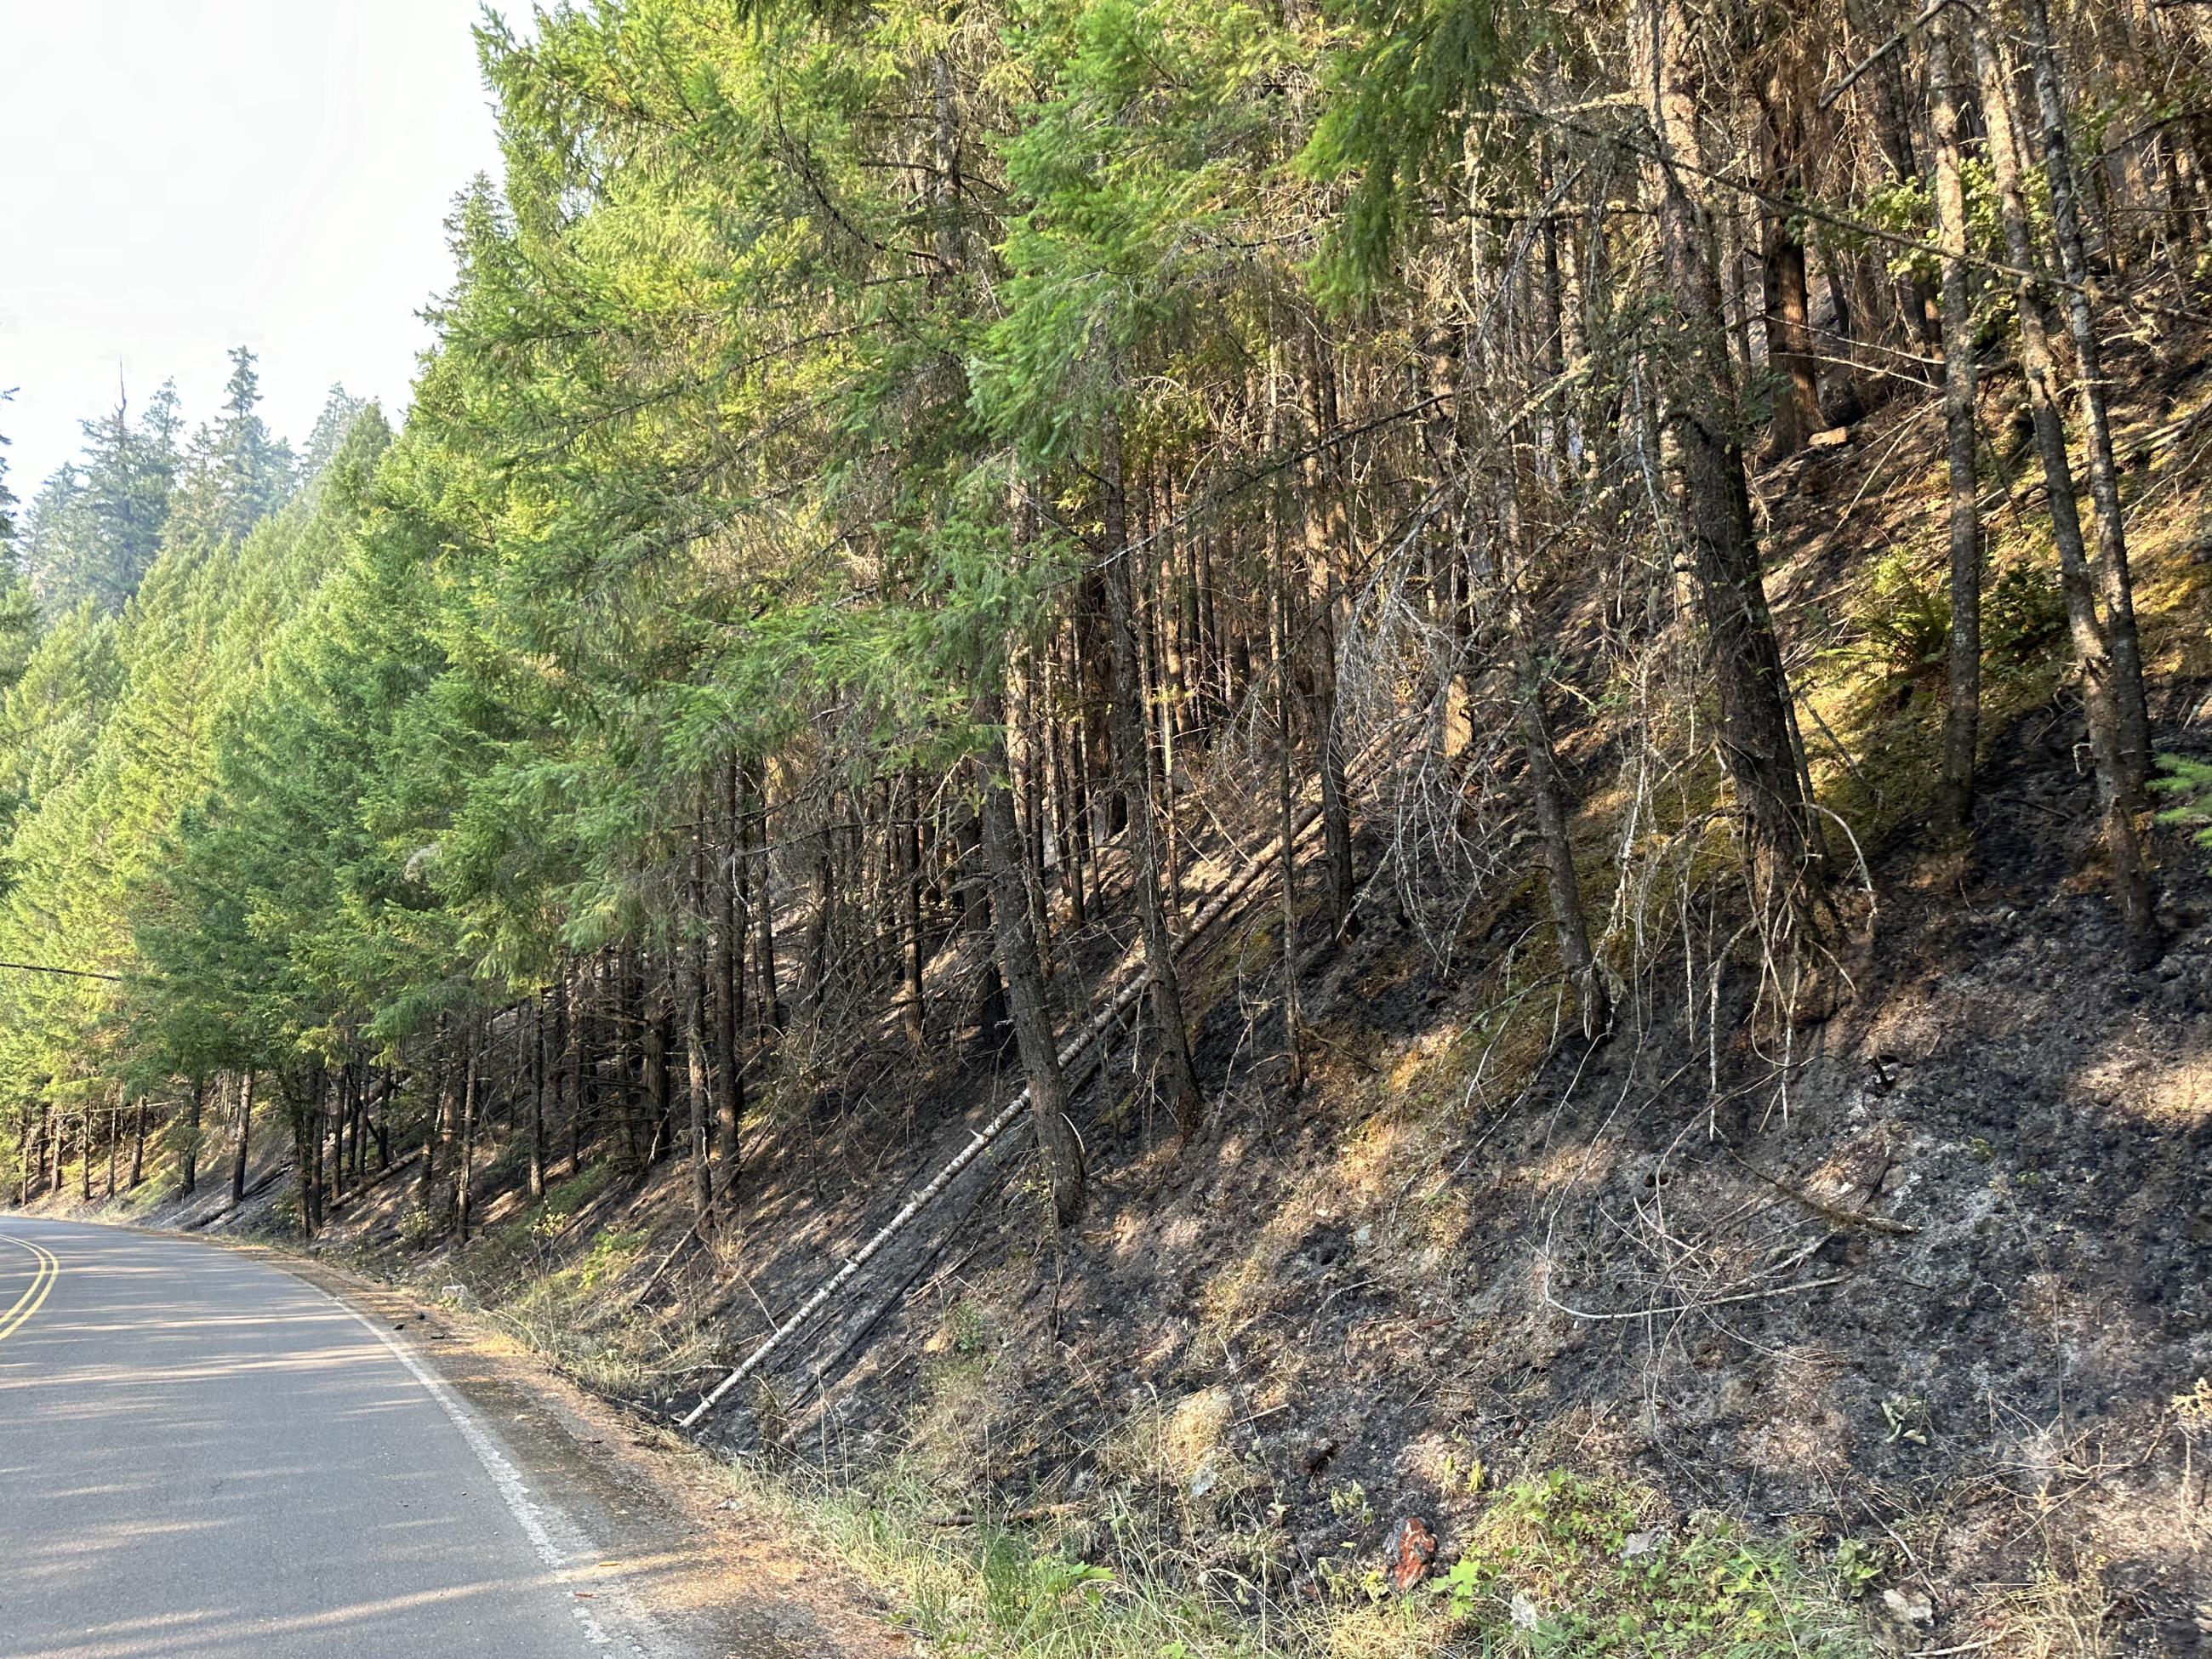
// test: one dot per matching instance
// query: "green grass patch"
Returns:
(1556, 1566)
(1564, 1565)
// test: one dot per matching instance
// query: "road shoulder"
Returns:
(716, 1581)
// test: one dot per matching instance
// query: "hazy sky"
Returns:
(180, 176)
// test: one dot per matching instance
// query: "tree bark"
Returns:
(465, 1175)
(543, 1083)
(1133, 764)
(2100, 703)
(1757, 728)
(2111, 567)
(1963, 691)
(1025, 990)
(238, 1152)
(700, 1121)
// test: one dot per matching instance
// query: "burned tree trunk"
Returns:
(1024, 980)
(239, 1151)
(1758, 736)
(691, 998)
(2111, 567)
(1133, 766)
(2100, 702)
(1963, 693)
(465, 1175)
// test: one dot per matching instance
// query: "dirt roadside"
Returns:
(719, 1584)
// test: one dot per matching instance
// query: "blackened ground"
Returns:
(1938, 1297)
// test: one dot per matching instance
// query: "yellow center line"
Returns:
(34, 1294)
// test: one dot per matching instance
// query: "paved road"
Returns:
(202, 1455)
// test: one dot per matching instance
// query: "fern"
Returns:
(2188, 783)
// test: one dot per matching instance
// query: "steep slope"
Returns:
(1917, 1290)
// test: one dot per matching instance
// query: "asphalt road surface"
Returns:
(203, 1455)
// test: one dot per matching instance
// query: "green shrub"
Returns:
(2023, 613)
(1564, 1566)
(1905, 623)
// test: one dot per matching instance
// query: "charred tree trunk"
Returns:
(434, 1128)
(2111, 567)
(244, 1143)
(1133, 764)
(1962, 702)
(906, 843)
(1025, 990)
(656, 1069)
(2100, 705)
(700, 1123)
(1757, 728)
(1279, 634)
(464, 1174)
(1786, 297)
(1562, 882)
(1328, 531)
(189, 1159)
(729, 1013)
(346, 1095)
(822, 931)
(542, 1085)
(575, 1007)
(771, 1003)
(993, 1021)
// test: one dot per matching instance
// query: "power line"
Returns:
(71, 973)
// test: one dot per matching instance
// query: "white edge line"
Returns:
(505, 1477)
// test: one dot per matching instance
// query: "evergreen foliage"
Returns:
(843, 415)
(97, 525)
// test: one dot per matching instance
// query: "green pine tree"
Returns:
(237, 472)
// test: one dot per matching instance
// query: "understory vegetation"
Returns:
(1430, 764)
